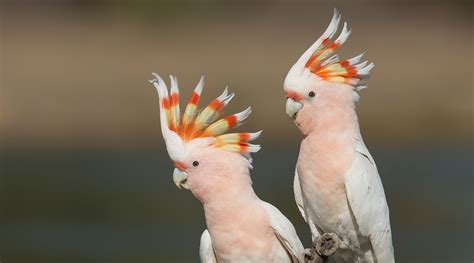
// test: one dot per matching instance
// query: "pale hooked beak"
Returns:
(293, 107)
(180, 178)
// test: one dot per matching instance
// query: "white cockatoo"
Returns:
(337, 187)
(214, 166)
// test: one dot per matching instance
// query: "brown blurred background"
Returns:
(85, 177)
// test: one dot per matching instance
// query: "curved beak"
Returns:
(180, 178)
(293, 107)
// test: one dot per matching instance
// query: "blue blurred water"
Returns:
(121, 206)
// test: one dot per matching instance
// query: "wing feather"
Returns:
(285, 232)
(300, 204)
(299, 196)
(206, 252)
(367, 201)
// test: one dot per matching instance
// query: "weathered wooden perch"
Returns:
(323, 247)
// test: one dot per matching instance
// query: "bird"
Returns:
(215, 166)
(337, 186)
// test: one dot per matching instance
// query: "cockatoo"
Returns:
(214, 166)
(337, 187)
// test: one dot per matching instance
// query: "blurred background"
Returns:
(85, 176)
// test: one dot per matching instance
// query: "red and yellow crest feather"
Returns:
(326, 65)
(194, 124)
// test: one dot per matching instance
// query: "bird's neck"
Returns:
(328, 149)
(236, 221)
(228, 202)
(333, 122)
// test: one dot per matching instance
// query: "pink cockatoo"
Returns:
(337, 186)
(214, 166)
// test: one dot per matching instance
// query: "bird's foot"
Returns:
(323, 247)
(327, 244)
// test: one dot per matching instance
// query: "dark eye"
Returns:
(195, 163)
(311, 94)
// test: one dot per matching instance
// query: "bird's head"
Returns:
(319, 81)
(204, 155)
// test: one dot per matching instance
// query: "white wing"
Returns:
(300, 204)
(298, 196)
(367, 201)
(206, 252)
(285, 232)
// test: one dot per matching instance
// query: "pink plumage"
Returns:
(337, 185)
(215, 166)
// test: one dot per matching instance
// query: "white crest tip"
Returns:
(255, 135)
